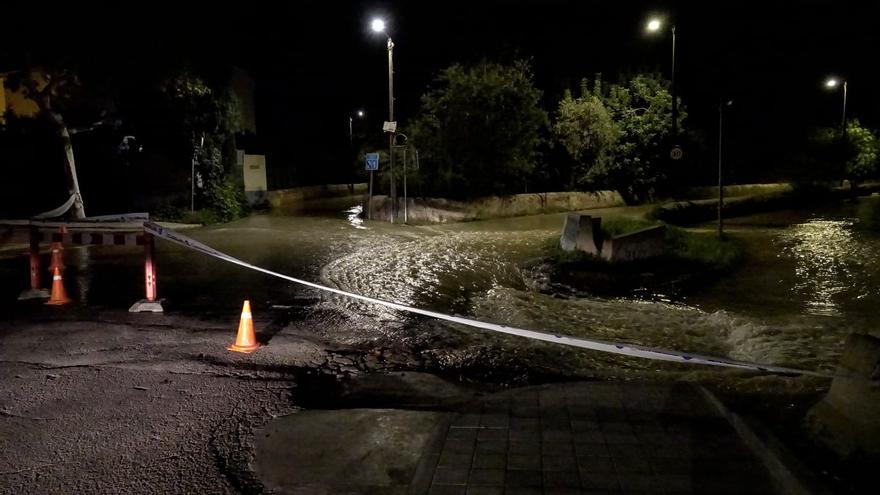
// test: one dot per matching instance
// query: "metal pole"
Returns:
(720, 184)
(674, 98)
(843, 120)
(35, 258)
(350, 138)
(404, 186)
(150, 266)
(192, 181)
(370, 199)
(393, 191)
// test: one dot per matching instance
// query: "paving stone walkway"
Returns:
(590, 438)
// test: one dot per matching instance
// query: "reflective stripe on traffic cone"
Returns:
(246, 340)
(59, 295)
(58, 250)
(57, 257)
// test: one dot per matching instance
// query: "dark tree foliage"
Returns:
(618, 134)
(479, 130)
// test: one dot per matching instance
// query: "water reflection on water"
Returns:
(829, 263)
(353, 215)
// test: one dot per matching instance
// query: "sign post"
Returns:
(372, 164)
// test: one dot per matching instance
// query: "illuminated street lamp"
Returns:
(655, 25)
(832, 83)
(360, 115)
(378, 26)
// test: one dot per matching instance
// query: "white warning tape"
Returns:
(593, 344)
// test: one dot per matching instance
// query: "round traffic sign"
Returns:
(676, 153)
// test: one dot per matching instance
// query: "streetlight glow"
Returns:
(378, 25)
(654, 25)
(831, 82)
(360, 113)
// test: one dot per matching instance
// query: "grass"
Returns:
(621, 225)
(703, 249)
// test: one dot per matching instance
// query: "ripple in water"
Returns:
(476, 273)
(829, 264)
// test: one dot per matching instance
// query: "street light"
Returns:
(378, 26)
(831, 83)
(655, 25)
(360, 115)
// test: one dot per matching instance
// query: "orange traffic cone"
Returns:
(246, 341)
(59, 295)
(57, 257)
(58, 251)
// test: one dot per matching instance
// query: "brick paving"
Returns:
(585, 438)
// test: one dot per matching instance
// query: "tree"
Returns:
(863, 149)
(829, 154)
(207, 117)
(479, 129)
(585, 129)
(640, 111)
(55, 91)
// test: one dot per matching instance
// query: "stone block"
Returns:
(638, 245)
(581, 232)
(847, 419)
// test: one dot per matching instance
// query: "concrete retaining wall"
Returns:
(439, 210)
(309, 198)
(732, 191)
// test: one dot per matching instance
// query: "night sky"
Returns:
(316, 62)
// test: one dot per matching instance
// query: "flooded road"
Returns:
(807, 281)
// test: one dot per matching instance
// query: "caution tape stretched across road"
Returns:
(592, 344)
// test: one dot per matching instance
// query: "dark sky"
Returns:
(315, 62)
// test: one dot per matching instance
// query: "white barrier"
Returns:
(592, 344)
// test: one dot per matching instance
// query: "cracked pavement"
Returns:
(139, 404)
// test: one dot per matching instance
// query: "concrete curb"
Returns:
(787, 472)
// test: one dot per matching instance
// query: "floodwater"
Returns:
(807, 281)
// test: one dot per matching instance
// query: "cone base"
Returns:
(244, 349)
(59, 302)
(33, 294)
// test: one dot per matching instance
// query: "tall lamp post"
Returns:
(378, 26)
(831, 83)
(655, 25)
(360, 115)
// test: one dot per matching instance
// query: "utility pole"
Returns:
(674, 98)
(391, 119)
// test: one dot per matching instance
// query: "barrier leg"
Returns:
(35, 292)
(150, 304)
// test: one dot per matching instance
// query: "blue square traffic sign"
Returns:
(372, 161)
